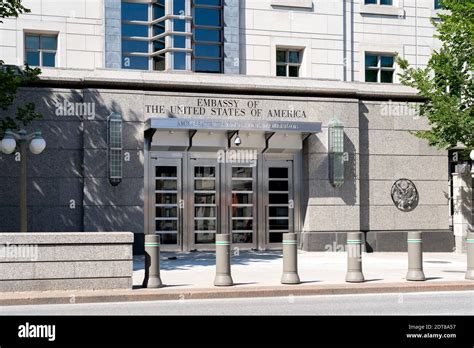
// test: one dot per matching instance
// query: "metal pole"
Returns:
(290, 259)
(152, 262)
(354, 258)
(470, 256)
(23, 186)
(223, 276)
(415, 257)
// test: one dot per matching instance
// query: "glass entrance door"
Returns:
(278, 201)
(167, 202)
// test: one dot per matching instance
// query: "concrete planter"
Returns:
(65, 261)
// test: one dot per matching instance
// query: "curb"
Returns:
(169, 294)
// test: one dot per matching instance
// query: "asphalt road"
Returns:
(441, 303)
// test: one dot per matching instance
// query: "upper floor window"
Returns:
(379, 2)
(172, 35)
(379, 68)
(288, 62)
(40, 50)
(437, 4)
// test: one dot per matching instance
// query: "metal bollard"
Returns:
(354, 258)
(223, 277)
(470, 256)
(290, 259)
(152, 262)
(415, 257)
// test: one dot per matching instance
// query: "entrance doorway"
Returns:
(195, 196)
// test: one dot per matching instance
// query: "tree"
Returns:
(446, 84)
(12, 78)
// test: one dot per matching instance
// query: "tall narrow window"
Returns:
(379, 68)
(207, 36)
(114, 142)
(288, 62)
(40, 50)
(379, 2)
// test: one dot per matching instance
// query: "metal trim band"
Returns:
(152, 244)
(222, 243)
(415, 240)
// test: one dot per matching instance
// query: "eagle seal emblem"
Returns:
(405, 195)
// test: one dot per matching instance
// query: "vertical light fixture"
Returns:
(336, 153)
(114, 143)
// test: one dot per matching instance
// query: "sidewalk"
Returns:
(257, 274)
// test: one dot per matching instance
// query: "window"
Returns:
(288, 62)
(379, 2)
(437, 4)
(207, 36)
(379, 68)
(40, 50)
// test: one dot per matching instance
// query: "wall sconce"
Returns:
(114, 143)
(336, 153)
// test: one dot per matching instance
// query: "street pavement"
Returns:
(443, 303)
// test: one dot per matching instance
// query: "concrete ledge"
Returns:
(167, 294)
(433, 241)
(66, 238)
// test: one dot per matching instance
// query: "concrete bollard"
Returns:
(354, 258)
(152, 262)
(290, 259)
(223, 276)
(415, 257)
(470, 256)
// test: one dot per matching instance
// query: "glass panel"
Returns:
(386, 2)
(278, 185)
(166, 225)
(179, 42)
(158, 11)
(371, 75)
(282, 224)
(242, 172)
(204, 172)
(208, 17)
(207, 35)
(179, 60)
(242, 185)
(134, 12)
(205, 238)
(293, 71)
(294, 56)
(242, 198)
(163, 212)
(278, 198)
(207, 51)
(278, 211)
(166, 172)
(278, 173)
(159, 63)
(367, 2)
(281, 56)
(49, 59)
(386, 76)
(204, 212)
(134, 30)
(168, 238)
(242, 211)
(242, 225)
(387, 61)
(276, 237)
(32, 42)
(166, 185)
(205, 185)
(134, 46)
(32, 58)
(179, 25)
(139, 63)
(205, 225)
(204, 198)
(371, 60)
(158, 29)
(208, 2)
(48, 43)
(281, 70)
(166, 198)
(207, 66)
(243, 238)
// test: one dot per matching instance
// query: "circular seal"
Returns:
(405, 195)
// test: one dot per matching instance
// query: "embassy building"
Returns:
(190, 118)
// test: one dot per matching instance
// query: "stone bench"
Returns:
(44, 261)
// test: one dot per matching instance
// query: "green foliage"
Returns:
(447, 83)
(12, 78)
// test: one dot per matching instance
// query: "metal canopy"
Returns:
(241, 125)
